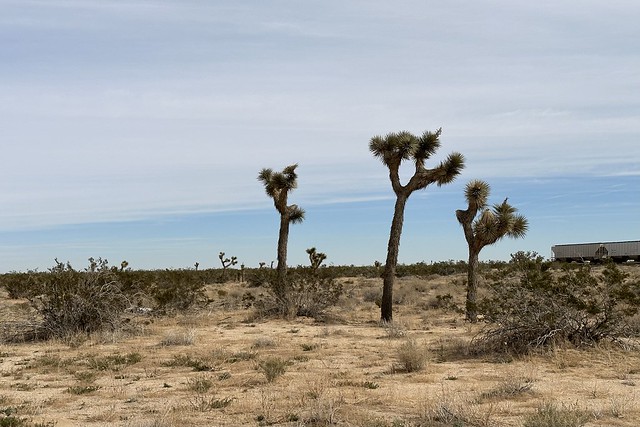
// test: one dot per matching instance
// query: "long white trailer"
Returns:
(616, 251)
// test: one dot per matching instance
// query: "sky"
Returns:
(135, 129)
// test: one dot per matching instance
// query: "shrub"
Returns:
(444, 302)
(80, 301)
(177, 290)
(538, 309)
(272, 368)
(308, 293)
(261, 277)
(22, 285)
(394, 329)
(311, 293)
(411, 356)
(199, 384)
(113, 362)
(197, 364)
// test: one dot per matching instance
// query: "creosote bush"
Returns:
(530, 307)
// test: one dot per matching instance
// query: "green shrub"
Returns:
(177, 290)
(22, 285)
(529, 307)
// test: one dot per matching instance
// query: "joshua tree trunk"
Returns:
(389, 273)
(472, 286)
(283, 238)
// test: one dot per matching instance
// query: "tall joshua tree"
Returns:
(277, 186)
(392, 150)
(482, 227)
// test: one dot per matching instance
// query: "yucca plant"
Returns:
(485, 226)
(392, 150)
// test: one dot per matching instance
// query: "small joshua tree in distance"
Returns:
(392, 150)
(315, 258)
(482, 227)
(226, 263)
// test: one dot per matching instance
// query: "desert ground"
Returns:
(224, 366)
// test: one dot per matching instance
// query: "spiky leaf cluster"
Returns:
(296, 214)
(394, 148)
(500, 221)
(485, 226)
(277, 185)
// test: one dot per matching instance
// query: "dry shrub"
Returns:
(443, 302)
(509, 388)
(411, 356)
(305, 292)
(394, 329)
(182, 337)
(449, 409)
(272, 368)
(452, 348)
(75, 302)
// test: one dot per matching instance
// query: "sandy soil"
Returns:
(204, 369)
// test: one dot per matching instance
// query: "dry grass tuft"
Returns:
(182, 337)
(550, 414)
(394, 329)
(508, 388)
(272, 368)
(411, 356)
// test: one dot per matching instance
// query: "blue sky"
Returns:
(135, 129)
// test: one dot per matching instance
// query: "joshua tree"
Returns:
(226, 263)
(315, 258)
(392, 150)
(196, 265)
(483, 226)
(277, 186)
